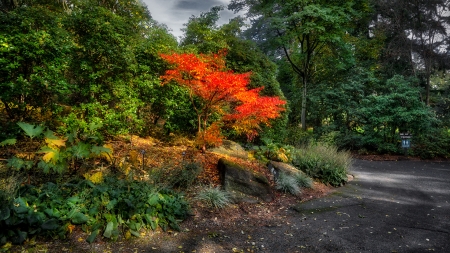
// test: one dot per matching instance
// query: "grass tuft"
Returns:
(9, 184)
(287, 183)
(303, 180)
(214, 197)
(176, 176)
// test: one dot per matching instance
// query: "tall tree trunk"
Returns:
(428, 89)
(303, 116)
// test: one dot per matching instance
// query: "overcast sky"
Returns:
(175, 13)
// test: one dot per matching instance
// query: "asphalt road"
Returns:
(391, 206)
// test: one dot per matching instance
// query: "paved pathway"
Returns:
(391, 206)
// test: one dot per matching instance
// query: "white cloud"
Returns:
(175, 13)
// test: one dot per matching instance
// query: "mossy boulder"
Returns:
(244, 184)
(231, 148)
(279, 167)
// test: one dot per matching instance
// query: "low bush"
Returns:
(179, 176)
(434, 143)
(184, 176)
(323, 162)
(59, 154)
(107, 208)
(297, 137)
(272, 151)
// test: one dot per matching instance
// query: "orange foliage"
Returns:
(211, 137)
(223, 92)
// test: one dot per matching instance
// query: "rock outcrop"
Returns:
(277, 167)
(231, 148)
(243, 184)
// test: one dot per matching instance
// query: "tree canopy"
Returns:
(356, 73)
(221, 92)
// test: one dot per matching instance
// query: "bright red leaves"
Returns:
(222, 92)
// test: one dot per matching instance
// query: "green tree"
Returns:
(397, 108)
(34, 49)
(203, 35)
(86, 62)
(416, 37)
(301, 31)
(168, 104)
(103, 64)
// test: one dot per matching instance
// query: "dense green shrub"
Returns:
(296, 137)
(97, 58)
(108, 208)
(433, 143)
(277, 130)
(272, 151)
(349, 140)
(395, 107)
(366, 114)
(323, 162)
(33, 58)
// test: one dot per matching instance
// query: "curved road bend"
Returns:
(391, 206)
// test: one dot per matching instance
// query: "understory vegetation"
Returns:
(323, 162)
(108, 208)
(318, 160)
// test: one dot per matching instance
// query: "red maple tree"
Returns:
(221, 92)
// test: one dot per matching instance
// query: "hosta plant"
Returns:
(110, 208)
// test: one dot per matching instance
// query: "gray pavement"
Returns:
(391, 206)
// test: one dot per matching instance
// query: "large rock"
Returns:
(277, 167)
(243, 184)
(231, 148)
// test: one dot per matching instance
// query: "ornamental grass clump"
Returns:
(185, 175)
(323, 162)
(9, 185)
(180, 176)
(287, 183)
(303, 180)
(214, 197)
